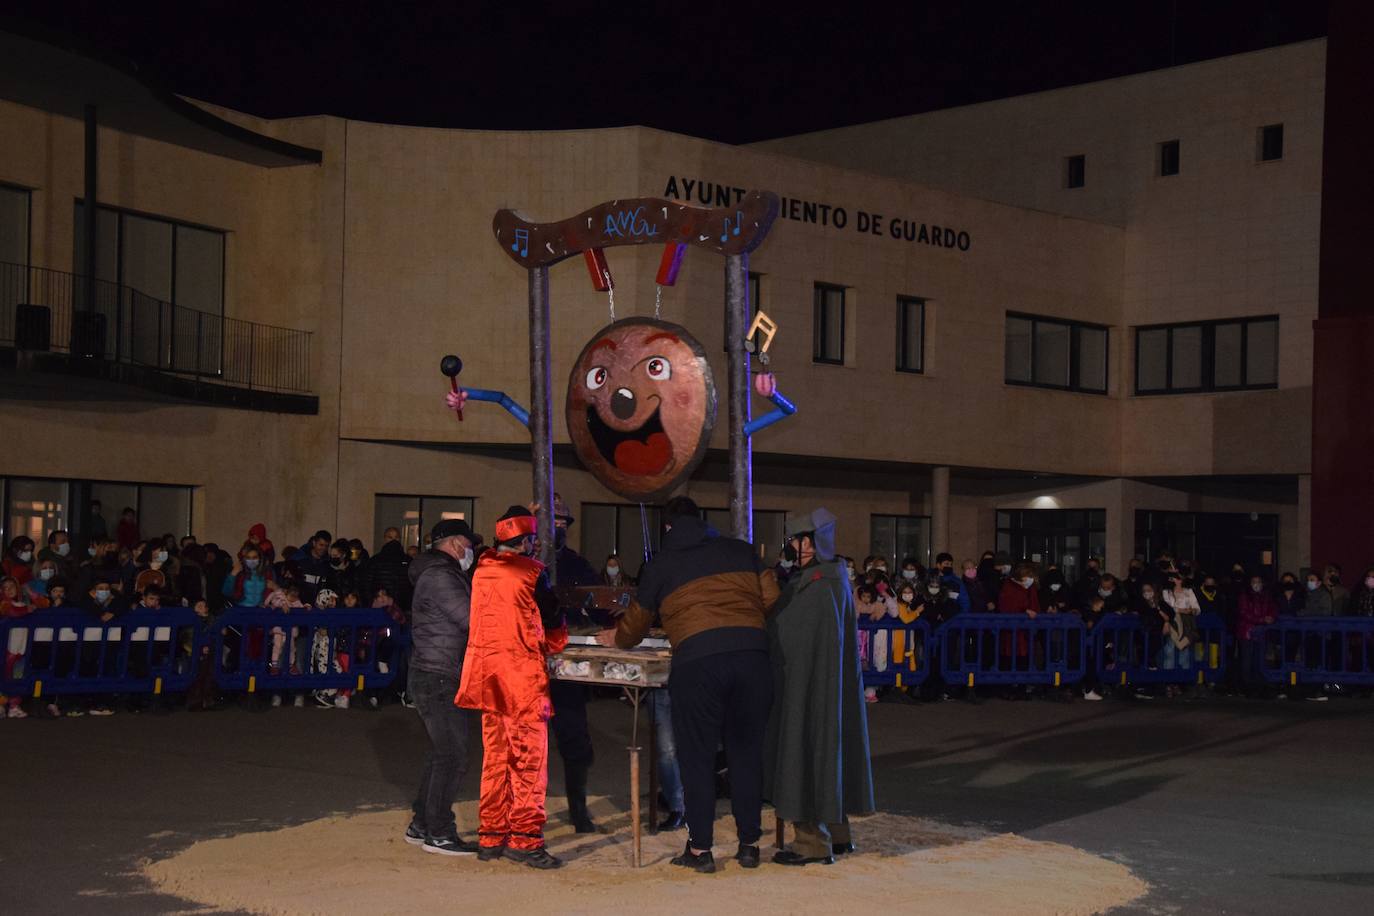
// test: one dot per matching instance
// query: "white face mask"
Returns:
(26, 556)
(852, 574)
(1055, 586)
(954, 595)
(1006, 570)
(612, 571)
(785, 564)
(90, 551)
(465, 561)
(1027, 582)
(46, 574)
(161, 556)
(1257, 587)
(1104, 592)
(908, 574)
(63, 549)
(1312, 586)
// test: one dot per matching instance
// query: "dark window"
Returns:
(1054, 353)
(911, 333)
(1075, 170)
(167, 260)
(1207, 356)
(1064, 537)
(1213, 541)
(416, 516)
(1168, 158)
(897, 537)
(38, 506)
(14, 253)
(755, 304)
(1271, 142)
(829, 331)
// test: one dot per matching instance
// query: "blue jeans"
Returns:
(1170, 656)
(669, 779)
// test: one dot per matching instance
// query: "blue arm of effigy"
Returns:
(500, 397)
(785, 409)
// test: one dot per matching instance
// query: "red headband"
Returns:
(510, 528)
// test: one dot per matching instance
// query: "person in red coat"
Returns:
(1254, 608)
(514, 625)
(1018, 596)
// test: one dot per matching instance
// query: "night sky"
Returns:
(730, 71)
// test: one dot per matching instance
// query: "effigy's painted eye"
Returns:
(596, 378)
(659, 369)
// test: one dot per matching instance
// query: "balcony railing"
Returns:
(97, 319)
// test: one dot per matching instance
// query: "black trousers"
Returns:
(722, 699)
(569, 722)
(448, 728)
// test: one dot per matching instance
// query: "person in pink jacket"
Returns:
(1255, 608)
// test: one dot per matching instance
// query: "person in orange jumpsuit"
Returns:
(514, 626)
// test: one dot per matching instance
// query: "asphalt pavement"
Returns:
(1222, 806)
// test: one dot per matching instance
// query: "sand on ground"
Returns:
(359, 864)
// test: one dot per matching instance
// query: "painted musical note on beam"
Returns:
(521, 245)
(729, 231)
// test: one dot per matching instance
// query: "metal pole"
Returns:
(741, 465)
(541, 414)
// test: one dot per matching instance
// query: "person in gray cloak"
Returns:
(817, 770)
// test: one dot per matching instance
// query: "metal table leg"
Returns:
(635, 694)
(653, 766)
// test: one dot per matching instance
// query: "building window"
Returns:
(1168, 158)
(1054, 353)
(37, 506)
(1271, 142)
(911, 334)
(1075, 171)
(755, 303)
(897, 537)
(14, 254)
(621, 529)
(1214, 541)
(829, 330)
(416, 516)
(1064, 537)
(1211, 356)
(158, 257)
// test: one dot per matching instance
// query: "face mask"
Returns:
(933, 588)
(852, 575)
(1055, 586)
(1006, 570)
(102, 595)
(90, 551)
(1312, 586)
(954, 595)
(1147, 596)
(63, 549)
(465, 561)
(1104, 592)
(946, 570)
(614, 571)
(1027, 582)
(46, 574)
(339, 563)
(908, 574)
(908, 597)
(785, 564)
(1257, 587)
(25, 556)
(879, 568)
(970, 574)
(251, 563)
(161, 556)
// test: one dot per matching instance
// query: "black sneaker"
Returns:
(748, 856)
(841, 849)
(534, 858)
(449, 846)
(488, 853)
(414, 835)
(699, 862)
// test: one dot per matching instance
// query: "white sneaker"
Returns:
(341, 702)
(1092, 695)
(1142, 695)
(383, 668)
(372, 701)
(17, 712)
(276, 700)
(1320, 698)
(299, 701)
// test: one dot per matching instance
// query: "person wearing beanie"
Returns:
(817, 770)
(713, 595)
(514, 626)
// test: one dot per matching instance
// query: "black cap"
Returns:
(449, 528)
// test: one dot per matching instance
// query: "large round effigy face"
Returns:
(641, 406)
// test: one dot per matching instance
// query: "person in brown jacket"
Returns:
(713, 595)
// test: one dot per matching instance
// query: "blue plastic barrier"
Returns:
(1317, 650)
(1129, 650)
(306, 644)
(68, 650)
(980, 649)
(897, 653)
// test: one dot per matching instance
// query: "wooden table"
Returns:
(633, 671)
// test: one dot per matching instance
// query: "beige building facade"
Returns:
(958, 329)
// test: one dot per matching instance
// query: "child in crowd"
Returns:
(288, 599)
(872, 603)
(14, 604)
(323, 660)
(201, 696)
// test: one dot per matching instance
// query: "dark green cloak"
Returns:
(817, 768)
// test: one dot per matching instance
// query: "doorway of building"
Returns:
(1215, 541)
(1064, 537)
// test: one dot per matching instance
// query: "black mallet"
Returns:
(451, 365)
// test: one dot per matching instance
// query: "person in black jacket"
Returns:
(439, 634)
(388, 569)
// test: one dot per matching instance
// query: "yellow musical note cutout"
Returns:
(764, 325)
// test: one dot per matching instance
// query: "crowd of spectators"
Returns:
(111, 575)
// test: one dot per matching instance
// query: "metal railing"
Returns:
(98, 319)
